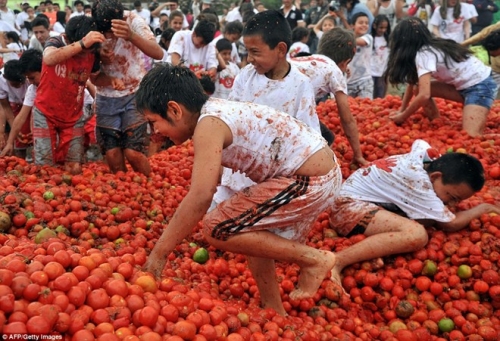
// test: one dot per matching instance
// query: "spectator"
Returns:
(232, 32)
(41, 33)
(22, 17)
(176, 20)
(326, 24)
(14, 47)
(451, 21)
(163, 23)
(7, 15)
(392, 9)
(50, 12)
(227, 70)
(349, 8)
(292, 14)
(423, 9)
(79, 9)
(485, 10)
(300, 36)
(142, 12)
(41, 8)
(60, 24)
(172, 5)
(236, 14)
(315, 14)
(87, 10)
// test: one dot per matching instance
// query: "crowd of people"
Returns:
(244, 87)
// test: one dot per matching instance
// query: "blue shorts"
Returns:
(482, 94)
(120, 125)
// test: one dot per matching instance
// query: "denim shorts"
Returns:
(482, 94)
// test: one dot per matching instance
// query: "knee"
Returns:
(418, 236)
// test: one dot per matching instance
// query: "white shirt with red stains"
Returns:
(196, 59)
(129, 63)
(292, 94)
(400, 180)
(12, 94)
(266, 143)
(225, 80)
(326, 77)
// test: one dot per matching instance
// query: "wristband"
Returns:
(82, 45)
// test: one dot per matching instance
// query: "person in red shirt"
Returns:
(68, 61)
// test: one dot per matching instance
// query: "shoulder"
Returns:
(56, 41)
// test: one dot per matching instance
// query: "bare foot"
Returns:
(310, 278)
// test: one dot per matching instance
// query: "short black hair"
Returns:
(299, 33)
(207, 84)
(271, 26)
(358, 15)
(78, 2)
(12, 71)
(103, 11)
(31, 61)
(233, 27)
(41, 20)
(13, 35)
(165, 83)
(338, 44)
(205, 30)
(224, 45)
(492, 41)
(78, 27)
(137, 3)
(459, 168)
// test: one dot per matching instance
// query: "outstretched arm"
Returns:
(463, 218)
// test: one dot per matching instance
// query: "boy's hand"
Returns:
(117, 84)
(92, 38)
(154, 266)
(7, 150)
(121, 29)
(397, 117)
(360, 160)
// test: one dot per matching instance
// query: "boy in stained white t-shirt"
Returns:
(195, 49)
(225, 78)
(392, 200)
(360, 82)
(271, 80)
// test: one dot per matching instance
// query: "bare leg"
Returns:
(115, 160)
(138, 161)
(264, 272)
(315, 264)
(474, 119)
(388, 234)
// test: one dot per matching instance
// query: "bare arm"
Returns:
(175, 59)
(157, 11)
(15, 129)
(149, 47)
(435, 31)
(476, 38)
(53, 55)
(467, 29)
(423, 96)
(349, 126)
(208, 142)
(463, 218)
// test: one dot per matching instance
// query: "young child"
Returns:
(451, 21)
(392, 200)
(30, 66)
(271, 219)
(325, 71)
(416, 57)
(300, 36)
(194, 50)
(326, 23)
(14, 47)
(176, 20)
(232, 32)
(13, 87)
(381, 30)
(360, 82)
(165, 39)
(225, 77)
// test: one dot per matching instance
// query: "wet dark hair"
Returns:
(78, 27)
(492, 41)
(247, 15)
(41, 20)
(206, 30)
(408, 37)
(14, 36)
(78, 2)
(233, 27)
(207, 84)
(376, 22)
(12, 71)
(61, 17)
(31, 61)
(271, 26)
(443, 10)
(299, 33)
(165, 83)
(338, 44)
(459, 168)
(223, 45)
(103, 11)
(167, 36)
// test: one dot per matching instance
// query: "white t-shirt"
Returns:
(9, 17)
(461, 75)
(29, 98)
(35, 44)
(380, 56)
(400, 180)
(294, 94)
(75, 14)
(144, 14)
(360, 64)
(266, 142)
(20, 19)
(224, 81)
(234, 15)
(235, 57)
(185, 23)
(196, 59)
(324, 74)
(389, 12)
(129, 62)
(13, 55)
(58, 27)
(296, 48)
(14, 95)
(451, 28)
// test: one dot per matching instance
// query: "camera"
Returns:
(334, 6)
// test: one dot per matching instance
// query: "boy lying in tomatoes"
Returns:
(296, 175)
(392, 200)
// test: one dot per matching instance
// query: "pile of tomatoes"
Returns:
(72, 251)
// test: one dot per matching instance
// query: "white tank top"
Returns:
(266, 143)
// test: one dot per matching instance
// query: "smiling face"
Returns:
(382, 28)
(450, 194)
(361, 26)
(260, 55)
(176, 23)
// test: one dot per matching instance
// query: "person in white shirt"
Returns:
(142, 12)
(78, 9)
(229, 70)
(7, 15)
(172, 5)
(452, 21)
(438, 68)
(300, 36)
(41, 33)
